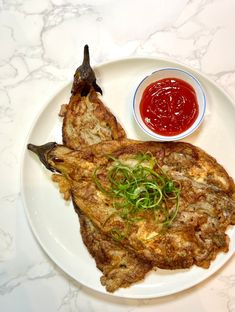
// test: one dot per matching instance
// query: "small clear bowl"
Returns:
(170, 73)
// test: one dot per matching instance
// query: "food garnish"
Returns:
(141, 187)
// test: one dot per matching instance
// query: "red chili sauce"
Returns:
(169, 106)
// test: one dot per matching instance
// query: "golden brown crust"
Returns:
(120, 268)
(87, 121)
(64, 185)
(207, 207)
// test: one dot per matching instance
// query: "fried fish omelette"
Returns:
(204, 210)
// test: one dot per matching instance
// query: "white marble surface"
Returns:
(41, 44)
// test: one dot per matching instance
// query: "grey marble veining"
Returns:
(41, 43)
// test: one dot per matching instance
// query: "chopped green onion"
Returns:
(117, 235)
(141, 187)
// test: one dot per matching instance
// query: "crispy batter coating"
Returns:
(120, 267)
(87, 121)
(207, 205)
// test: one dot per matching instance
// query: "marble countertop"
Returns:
(41, 44)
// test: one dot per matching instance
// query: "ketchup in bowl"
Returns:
(169, 106)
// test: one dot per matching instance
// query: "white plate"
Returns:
(55, 224)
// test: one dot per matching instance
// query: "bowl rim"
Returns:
(185, 133)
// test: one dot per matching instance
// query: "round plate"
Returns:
(55, 223)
